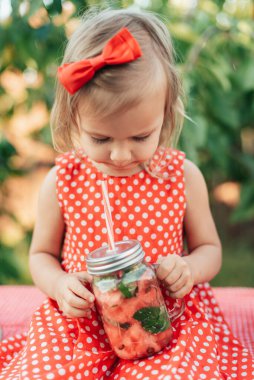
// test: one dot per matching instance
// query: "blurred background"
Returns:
(215, 56)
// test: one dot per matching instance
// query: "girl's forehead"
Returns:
(145, 109)
(145, 115)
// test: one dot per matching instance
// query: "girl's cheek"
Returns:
(149, 150)
(96, 153)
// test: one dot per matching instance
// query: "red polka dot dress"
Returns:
(151, 210)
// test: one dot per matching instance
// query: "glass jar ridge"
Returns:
(103, 261)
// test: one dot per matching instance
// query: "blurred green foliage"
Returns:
(214, 53)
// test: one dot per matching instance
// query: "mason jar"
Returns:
(129, 300)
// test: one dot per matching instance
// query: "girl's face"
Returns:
(119, 144)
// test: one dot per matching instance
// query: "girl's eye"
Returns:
(140, 138)
(106, 139)
(100, 141)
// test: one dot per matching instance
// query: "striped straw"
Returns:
(108, 216)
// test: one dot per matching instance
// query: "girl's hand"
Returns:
(175, 272)
(73, 298)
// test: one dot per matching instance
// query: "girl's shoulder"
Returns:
(194, 179)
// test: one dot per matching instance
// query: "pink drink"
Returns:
(129, 300)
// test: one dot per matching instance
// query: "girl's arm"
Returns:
(47, 238)
(204, 259)
(44, 257)
(202, 238)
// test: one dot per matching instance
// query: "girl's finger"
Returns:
(178, 284)
(84, 277)
(181, 292)
(165, 268)
(73, 312)
(173, 277)
(80, 290)
(78, 302)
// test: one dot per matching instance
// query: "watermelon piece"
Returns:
(133, 313)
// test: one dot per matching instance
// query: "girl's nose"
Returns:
(120, 155)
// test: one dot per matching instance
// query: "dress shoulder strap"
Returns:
(167, 163)
(69, 167)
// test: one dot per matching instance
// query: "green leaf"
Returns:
(245, 75)
(183, 31)
(6, 149)
(9, 268)
(127, 291)
(53, 7)
(224, 108)
(153, 319)
(220, 77)
(128, 285)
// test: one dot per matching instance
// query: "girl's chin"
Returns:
(110, 169)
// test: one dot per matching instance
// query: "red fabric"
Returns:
(121, 48)
(236, 303)
(17, 304)
(151, 210)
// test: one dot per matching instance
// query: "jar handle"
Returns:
(179, 305)
(177, 310)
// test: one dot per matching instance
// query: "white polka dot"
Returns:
(50, 376)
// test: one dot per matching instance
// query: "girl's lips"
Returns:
(124, 167)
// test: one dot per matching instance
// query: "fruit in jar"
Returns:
(133, 312)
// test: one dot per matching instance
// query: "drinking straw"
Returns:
(108, 216)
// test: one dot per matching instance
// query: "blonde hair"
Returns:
(116, 88)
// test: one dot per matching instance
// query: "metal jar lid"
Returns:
(103, 261)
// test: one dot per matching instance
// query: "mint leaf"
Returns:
(127, 291)
(153, 319)
(128, 285)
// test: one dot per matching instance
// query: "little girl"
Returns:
(116, 115)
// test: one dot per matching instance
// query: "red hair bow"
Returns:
(121, 48)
